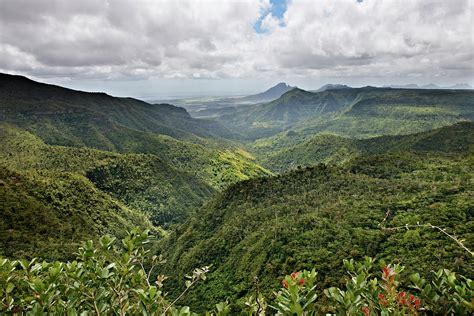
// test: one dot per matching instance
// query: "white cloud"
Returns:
(216, 39)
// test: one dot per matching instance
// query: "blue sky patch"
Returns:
(277, 10)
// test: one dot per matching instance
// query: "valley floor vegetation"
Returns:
(119, 278)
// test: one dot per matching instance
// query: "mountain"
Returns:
(353, 112)
(376, 112)
(291, 108)
(94, 164)
(327, 148)
(330, 86)
(94, 113)
(65, 117)
(431, 86)
(460, 86)
(315, 217)
(404, 86)
(268, 95)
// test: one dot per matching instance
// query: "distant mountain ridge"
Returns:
(268, 95)
(331, 86)
(20, 96)
(210, 107)
(461, 86)
(353, 112)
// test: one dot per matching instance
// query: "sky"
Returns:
(175, 48)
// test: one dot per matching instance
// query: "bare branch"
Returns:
(428, 225)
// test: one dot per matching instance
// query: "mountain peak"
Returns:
(269, 95)
(331, 86)
(280, 85)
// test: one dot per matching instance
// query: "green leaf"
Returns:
(10, 287)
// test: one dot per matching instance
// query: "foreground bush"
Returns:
(104, 279)
(111, 278)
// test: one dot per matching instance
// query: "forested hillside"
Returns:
(316, 216)
(61, 116)
(384, 173)
(332, 149)
(265, 157)
(92, 164)
(352, 112)
(70, 117)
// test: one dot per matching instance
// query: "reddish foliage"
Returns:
(294, 275)
(365, 311)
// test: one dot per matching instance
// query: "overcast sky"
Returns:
(161, 48)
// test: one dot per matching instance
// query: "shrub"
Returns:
(118, 278)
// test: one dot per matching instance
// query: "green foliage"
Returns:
(447, 292)
(76, 165)
(56, 196)
(145, 183)
(361, 112)
(369, 295)
(46, 213)
(107, 278)
(316, 216)
(323, 148)
(118, 278)
(298, 293)
(364, 293)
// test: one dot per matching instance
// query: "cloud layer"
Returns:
(109, 39)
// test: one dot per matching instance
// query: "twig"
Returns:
(119, 300)
(259, 307)
(149, 274)
(144, 271)
(418, 225)
(387, 214)
(181, 295)
(95, 306)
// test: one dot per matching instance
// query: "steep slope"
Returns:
(66, 117)
(371, 112)
(142, 182)
(291, 109)
(326, 148)
(315, 217)
(47, 214)
(90, 164)
(61, 108)
(48, 206)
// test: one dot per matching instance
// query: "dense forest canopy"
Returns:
(258, 191)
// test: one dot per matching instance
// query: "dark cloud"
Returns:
(216, 39)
